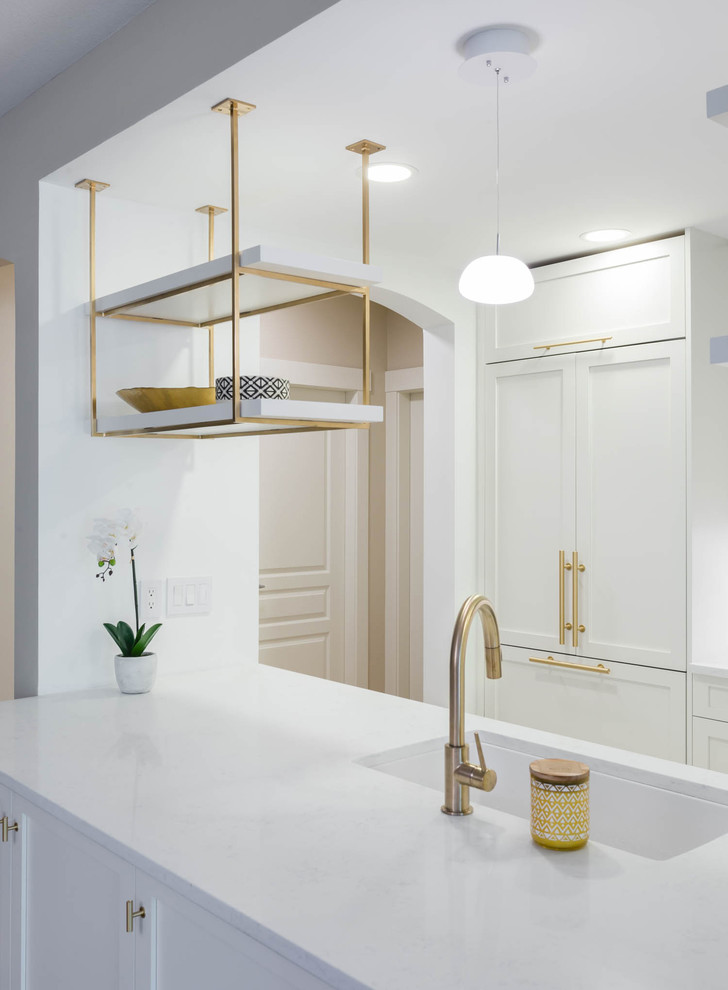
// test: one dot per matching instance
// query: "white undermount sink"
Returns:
(639, 815)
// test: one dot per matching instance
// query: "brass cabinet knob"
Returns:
(7, 828)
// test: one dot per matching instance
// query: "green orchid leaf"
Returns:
(111, 630)
(146, 639)
(126, 634)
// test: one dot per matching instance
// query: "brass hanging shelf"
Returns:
(257, 280)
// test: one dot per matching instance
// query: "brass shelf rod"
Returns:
(93, 186)
(212, 212)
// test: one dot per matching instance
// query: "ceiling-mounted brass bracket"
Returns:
(366, 147)
(214, 210)
(240, 106)
(92, 184)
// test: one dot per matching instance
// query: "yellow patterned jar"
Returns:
(560, 803)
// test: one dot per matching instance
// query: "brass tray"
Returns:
(156, 399)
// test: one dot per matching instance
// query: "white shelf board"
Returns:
(211, 302)
(203, 416)
(719, 350)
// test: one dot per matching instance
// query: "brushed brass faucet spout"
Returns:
(460, 774)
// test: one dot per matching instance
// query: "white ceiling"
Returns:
(40, 38)
(611, 131)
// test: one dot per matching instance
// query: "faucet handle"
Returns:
(489, 776)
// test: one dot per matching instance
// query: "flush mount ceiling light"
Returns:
(496, 57)
(606, 236)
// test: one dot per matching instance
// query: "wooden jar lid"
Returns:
(559, 771)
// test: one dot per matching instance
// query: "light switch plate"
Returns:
(189, 596)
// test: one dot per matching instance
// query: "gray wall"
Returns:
(162, 53)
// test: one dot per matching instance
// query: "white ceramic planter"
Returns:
(136, 675)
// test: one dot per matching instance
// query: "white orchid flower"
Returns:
(109, 535)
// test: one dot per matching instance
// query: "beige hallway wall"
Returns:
(7, 478)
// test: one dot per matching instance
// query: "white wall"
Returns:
(707, 302)
(196, 499)
(7, 477)
(161, 54)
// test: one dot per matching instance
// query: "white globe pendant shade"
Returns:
(496, 279)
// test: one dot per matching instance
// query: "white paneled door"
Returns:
(630, 498)
(530, 491)
(404, 541)
(303, 505)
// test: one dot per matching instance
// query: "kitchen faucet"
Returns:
(460, 775)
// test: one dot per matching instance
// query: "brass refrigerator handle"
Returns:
(576, 569)
(563, 626)
(599, 669)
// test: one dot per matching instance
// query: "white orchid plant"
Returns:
(109, 537)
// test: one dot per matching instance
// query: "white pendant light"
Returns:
(496, 279)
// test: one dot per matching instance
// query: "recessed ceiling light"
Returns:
(389, 171)
(604, 236)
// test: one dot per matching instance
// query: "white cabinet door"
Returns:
(634, 708)
(710, 744)
(630, 498)
(630, 295)
(182, 947)
(530, 489)
(68, 909)
(6, 849)
(710, 697)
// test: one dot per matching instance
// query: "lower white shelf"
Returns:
(209, 420)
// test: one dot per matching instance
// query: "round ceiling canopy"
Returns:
(505, 49)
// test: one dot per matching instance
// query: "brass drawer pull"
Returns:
(131, 914)
(572, 343)
(599, 669)
(7, 828)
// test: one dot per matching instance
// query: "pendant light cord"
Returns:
(497, 161)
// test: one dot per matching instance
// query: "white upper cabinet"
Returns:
(530, 465)
(630, 295)
(630, 504)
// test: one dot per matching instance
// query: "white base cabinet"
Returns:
(63, 922)
(710, 744)
(636, 708)
(710, 722)
(68, 905)
(5, 893)
(181, 946)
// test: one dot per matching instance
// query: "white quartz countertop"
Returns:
(241, 790)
